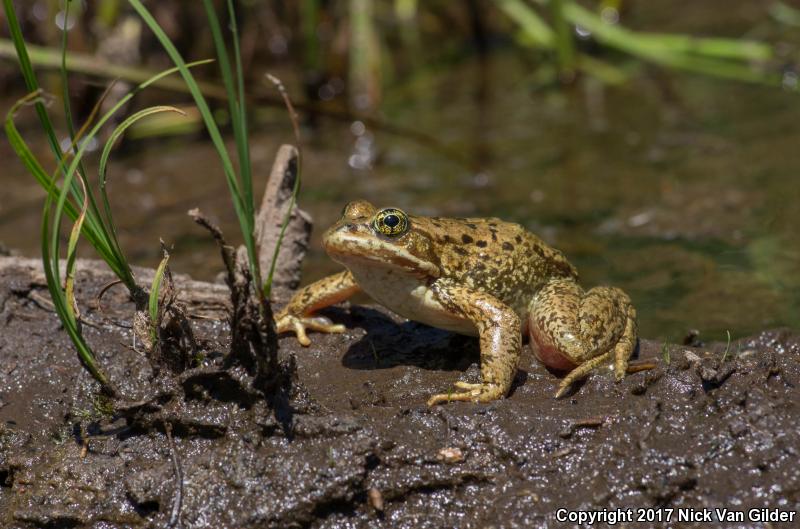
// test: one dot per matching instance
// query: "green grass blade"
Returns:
(65, 314)
(276, 252)
(246, 222)
(72, 252)
(727, 346)
(564, 44)
(94, 216)
(65, 83)
(77, 62)
(155, 293)
(785, 14)
(630, 42)
(242, 142)
(531, 23)
(28, 74)
(236, 106)
(116, 134)
(718, 48)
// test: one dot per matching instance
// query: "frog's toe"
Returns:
(323, 324)
(467, 385)
(444, 398)
(563, 388)
(471, 393)
(299, 325)
(581, 372)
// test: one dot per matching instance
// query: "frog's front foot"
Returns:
(286, 322)
(469, 392)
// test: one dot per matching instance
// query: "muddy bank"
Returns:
(354, 445)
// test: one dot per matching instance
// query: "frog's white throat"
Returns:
(407, 294)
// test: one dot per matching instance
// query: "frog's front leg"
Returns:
(298, 315)
(578, 330)
(499, 332)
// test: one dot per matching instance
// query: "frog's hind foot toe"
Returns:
(563, 388)
(470, 393)
(581, 372)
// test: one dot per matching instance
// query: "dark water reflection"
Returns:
(681, 190)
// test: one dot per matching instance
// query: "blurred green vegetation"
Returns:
(342, 53)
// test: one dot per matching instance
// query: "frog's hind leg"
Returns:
(579, 330)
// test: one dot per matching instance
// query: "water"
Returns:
(679, 189)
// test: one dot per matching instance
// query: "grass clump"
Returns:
(70, 195)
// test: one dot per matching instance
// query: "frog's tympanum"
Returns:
(479, 277)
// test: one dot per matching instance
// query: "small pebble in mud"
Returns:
(375, 499)
(716, 377)
(691, 357)
(563, 452)
(450, 455)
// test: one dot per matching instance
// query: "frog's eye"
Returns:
(391, 222)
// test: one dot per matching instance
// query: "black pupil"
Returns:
(391, 220)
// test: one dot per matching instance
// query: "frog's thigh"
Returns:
(499, 332)
(570, 327)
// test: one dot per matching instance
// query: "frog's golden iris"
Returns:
(391, 222)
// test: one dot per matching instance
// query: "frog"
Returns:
(480, 277)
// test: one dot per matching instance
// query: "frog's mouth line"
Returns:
(347, 250)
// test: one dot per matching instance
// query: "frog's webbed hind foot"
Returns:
(469, 393)
(299, 325)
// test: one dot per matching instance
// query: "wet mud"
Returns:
(351, 442)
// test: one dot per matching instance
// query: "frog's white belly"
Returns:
(409, 297)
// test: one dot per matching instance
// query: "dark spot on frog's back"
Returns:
(466, 239)
(471, 226)
(481, 244)
(448, 239)
(518, 238)
(507, 246)
(460, 251)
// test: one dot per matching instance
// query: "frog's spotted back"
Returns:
(501, 258)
